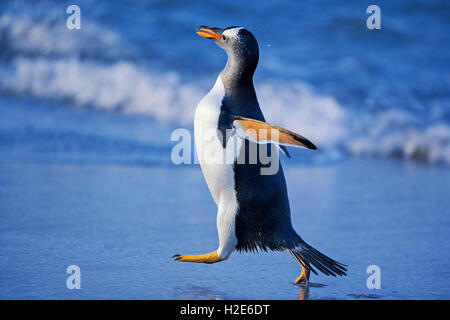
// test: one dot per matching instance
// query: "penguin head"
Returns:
(239, 44)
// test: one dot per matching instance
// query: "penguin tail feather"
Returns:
(312, 259)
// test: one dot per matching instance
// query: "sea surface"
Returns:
(86, 118)
(351, 90)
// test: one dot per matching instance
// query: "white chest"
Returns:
(215, 160)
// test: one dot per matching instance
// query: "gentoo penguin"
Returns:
(253, 208)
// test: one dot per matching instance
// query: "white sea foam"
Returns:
(121, 86)
(125, 87)
(295, 106)
(34, 34)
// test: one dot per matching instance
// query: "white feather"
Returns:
(233, 32)
(217, 165)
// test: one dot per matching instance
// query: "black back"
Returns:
(263, 220)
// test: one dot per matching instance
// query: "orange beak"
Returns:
(208, 33)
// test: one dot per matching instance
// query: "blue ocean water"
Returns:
(86, 118)
(350, 90)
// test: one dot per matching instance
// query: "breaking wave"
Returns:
(100, 69)
(124, 87)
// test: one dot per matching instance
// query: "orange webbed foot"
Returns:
(303, 278)
(211, 257)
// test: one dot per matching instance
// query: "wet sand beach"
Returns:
(122, 224)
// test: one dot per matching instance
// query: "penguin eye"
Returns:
(224, 37)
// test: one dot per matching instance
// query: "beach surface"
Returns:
(122, 224)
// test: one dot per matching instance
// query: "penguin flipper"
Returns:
(285, 151)
(263, 132)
